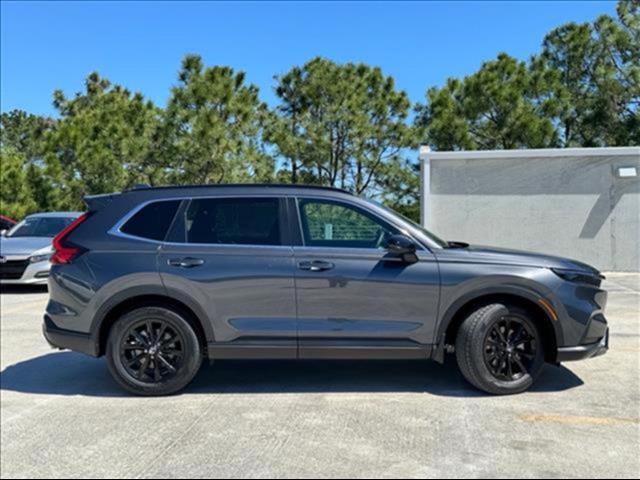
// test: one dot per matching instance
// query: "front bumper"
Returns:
(68, 340)
(33, 273)
(582, 352)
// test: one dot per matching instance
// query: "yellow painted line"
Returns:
(579, 420)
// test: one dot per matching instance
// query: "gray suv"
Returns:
(158, 279)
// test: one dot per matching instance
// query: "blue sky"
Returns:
(140, 44)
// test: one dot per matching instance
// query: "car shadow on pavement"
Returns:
(22, 289)
(67, 373)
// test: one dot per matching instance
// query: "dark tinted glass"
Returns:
(152, 221)
(242, 221)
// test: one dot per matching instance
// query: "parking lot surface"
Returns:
(62, 415)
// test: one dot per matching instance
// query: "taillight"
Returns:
(63, 250)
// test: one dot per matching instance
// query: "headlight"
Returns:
(40, 258)
(577, 276)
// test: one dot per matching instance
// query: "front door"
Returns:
(232, 255)
(354, 298)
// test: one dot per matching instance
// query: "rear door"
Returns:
(233, 255)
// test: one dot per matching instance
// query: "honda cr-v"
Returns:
(158, 279)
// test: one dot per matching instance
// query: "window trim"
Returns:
(286, 241)
(130, 216)
(354, 206)
(116, 230)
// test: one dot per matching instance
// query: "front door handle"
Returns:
(316, 266)
(187, 262)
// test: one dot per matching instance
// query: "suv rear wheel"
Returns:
(153, 351)
(499, 349)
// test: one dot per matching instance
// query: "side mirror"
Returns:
(402, 247)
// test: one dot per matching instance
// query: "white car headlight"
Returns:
(40, 258)
(42, 255)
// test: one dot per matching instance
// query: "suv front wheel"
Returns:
(499, 349)
(153, 351)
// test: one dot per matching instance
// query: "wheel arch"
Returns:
(116, 309)
(460, 310)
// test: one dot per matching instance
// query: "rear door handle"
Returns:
(316, 266)
(187, 262)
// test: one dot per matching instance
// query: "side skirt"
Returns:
(320, 349)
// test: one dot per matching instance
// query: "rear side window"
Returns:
(235, 221)
(152, 221)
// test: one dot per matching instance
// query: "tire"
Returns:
(162, 362)
(489, 355)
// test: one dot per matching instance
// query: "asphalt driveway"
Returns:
(62, 415)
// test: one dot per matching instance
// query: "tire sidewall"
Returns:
(524, 382)
(192, 352)
(473, 344)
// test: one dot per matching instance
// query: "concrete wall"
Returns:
(564, 202)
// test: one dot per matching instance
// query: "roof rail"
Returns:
(240, 185)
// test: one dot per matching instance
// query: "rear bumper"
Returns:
(67, 339)
(582, 352)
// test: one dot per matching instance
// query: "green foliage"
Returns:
(582, 90)
(344, 125)
(593, 73)
(24, 141)
(340, 125)
(499, 107)
(102, 142)
(16, 198)
(212, 128)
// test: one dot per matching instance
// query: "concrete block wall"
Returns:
(569, 202)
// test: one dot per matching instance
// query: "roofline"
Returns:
(292, 186)
(427, 154)
(54, 214)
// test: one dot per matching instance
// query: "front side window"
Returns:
(152, 221)
(40, 227)
(331, 224)
(234, 221)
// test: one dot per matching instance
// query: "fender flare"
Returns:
(513, 290)
(148, 290)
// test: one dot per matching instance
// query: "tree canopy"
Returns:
(582, 89)
(346, 125)
(212, 128)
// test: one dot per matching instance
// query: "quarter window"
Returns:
(235, 221)
(330, 224)
(152, 221)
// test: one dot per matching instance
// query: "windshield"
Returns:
(40, 227)
(434, 238)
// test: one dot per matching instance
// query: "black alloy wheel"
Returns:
(152, 351)
(510, 348)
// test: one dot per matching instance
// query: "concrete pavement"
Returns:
(62, 415)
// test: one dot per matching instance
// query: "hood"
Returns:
(495, 255)
(22, 245)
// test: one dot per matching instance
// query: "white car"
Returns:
(25, 250)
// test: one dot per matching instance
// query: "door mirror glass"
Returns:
(402, 246)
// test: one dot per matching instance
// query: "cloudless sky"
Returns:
(50, 45)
